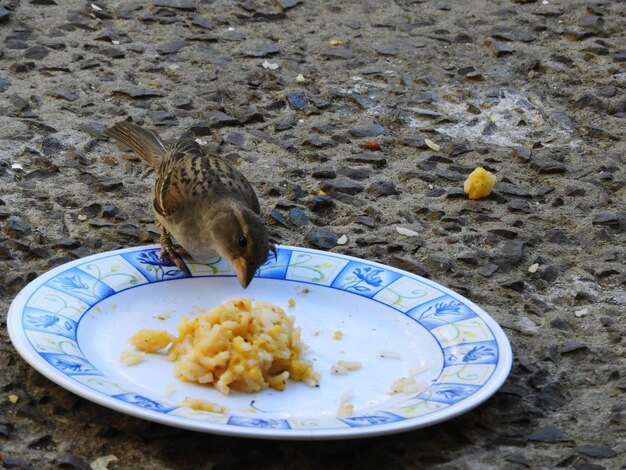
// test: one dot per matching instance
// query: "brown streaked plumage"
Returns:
(203, 202)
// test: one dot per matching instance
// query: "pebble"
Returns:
(36, 53)
(497, 48)
(509, 255)
(517, 285)
(297, 100)
(372, 130)
(65, 94)
(548, 434)
(18, 102)
(4, 14)
(573, 346)
(382, 189)
(217, 119)
(408, 264)
(606, 218)
(298, 217)
(202, 22)
(598, 452)
(319, 203)
(358, 174)
(520, 205)
(265, 50)
(561, 324)
(70, 461)
(280, 218)
(326, 172)
(341, 186)
(163, 118)
(321, 238)
(171, 47)
(18, 226)
(341, 53)
(108, 183)
(548, 165)
(178, 4)
(373, 158)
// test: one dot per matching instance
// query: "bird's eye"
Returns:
(243, 241)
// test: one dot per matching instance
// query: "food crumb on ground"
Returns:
(479, 183)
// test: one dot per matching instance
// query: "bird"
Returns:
(202, 201)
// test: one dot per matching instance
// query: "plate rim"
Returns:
(25, 350)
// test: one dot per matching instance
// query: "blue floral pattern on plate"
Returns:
(470, 349)
(364, 279)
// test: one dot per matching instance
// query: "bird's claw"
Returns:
(172, 254)
(274, 250)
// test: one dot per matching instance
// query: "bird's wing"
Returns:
(188, 177)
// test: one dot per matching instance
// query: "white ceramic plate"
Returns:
(72, 324)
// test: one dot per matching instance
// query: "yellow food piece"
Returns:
(241, 346)
(292, 303)
(131, 357)
(479, 183)
(338, 334)
(203, 405)
(151, 340)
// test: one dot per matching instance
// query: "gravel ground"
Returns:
(294, 92)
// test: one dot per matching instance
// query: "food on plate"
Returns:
(343, 367)
(345, 407)
(203, 405)
(239, 345)
(479, 183)
(130, 357)
(406, 385)
(151, 341)
(338, 334)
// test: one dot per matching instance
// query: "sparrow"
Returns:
(203, 202)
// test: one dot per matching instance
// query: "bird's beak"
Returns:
(241, 268)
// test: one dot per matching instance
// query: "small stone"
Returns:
(408, 264)
(358, 174)
(497, 48)
(219, 119)
(597, 133)
(556, 236)
(298, 217)
(4, 14)
(620, 56)
(382, 189)
(372, 130)
(341, 186)
(248, 114)
(297, 100)
(318, 142)
(522, 152)
(108, 183)
(202, 22)
(18, 226)
(342, 53)
(163, 118)
(183, 102)
(373, 158)
(318, 203)
(516, 285)
(286, 123)
(548, 165)
(177, 4)
(598, 452)
(280, 218)
(510, 254)
(171, 47)
(18, 102)
(548, 273)
(561, 324)
(513, 190)
(606, 218)
(573, 346)
(520, 205)
(287, 4)
(324, 173)
(548, 434)
(65, 94)
(36, 53)
(70, 461)
(321, 238)
(265, 50)
(113, 52)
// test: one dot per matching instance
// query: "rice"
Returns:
(241, 346)
(130, 357)
(343, 367)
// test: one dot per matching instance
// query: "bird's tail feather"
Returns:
(144, 143)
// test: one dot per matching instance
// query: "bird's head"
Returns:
(241, 237)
